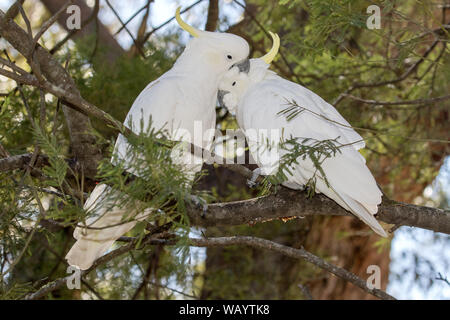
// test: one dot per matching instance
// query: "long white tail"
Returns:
(351, 185)
(354, 185)
(102, 229)
(365, 213)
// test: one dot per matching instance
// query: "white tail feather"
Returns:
(102, 229)
(84, 252)
(365, 213)
(362, 211)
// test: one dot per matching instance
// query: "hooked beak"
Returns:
(243, 65)
(220, 95)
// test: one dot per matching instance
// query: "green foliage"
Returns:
(164, 188)
(56, 172)
(15, 291)
(162, 183)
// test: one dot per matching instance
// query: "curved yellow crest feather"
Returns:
(184, 25)
(268, 58)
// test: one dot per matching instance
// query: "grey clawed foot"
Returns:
(204, 210)
(200, 204)
(252, 181)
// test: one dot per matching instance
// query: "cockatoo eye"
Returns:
(234, 83)
(229, 57)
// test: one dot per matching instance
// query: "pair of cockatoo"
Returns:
(187, 94)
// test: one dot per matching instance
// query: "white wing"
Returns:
(171, 108)
(174, 109)
(315, 104)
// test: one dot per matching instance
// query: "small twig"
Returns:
(47, 24)
(293, 253)
(266, 32)
(91, 289)
(305, 291)
(442, 278)
(396, 103)
(13, 11)
(126, 29)
(405, 75)
(27, 22)
(13, 66)
(3, 152)
(148, 34)
(151, 268)
(130, 19)
(174, 290)
(74, 31)
(32, 233)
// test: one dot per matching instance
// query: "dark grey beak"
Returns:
(243, 66)
(220, 95)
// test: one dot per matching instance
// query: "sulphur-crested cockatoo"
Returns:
(260, 99)
(181, 99)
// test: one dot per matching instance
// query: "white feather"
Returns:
(179, 100)
(261, 98)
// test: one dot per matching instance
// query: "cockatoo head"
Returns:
(235, 83)
(219, 52)
(232, 88)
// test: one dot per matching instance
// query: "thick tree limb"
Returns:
(291, 203)
(21, 161)
(284, 203)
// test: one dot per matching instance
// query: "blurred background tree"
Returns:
(383, 81)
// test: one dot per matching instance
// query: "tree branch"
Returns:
(83, 143)
(292, 203)
(58, 283)
(281, 204)
(225, 241)
(405, 75)
(293, 253)
(399, 103)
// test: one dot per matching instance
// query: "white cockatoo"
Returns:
(260, 100)
(183, 97)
